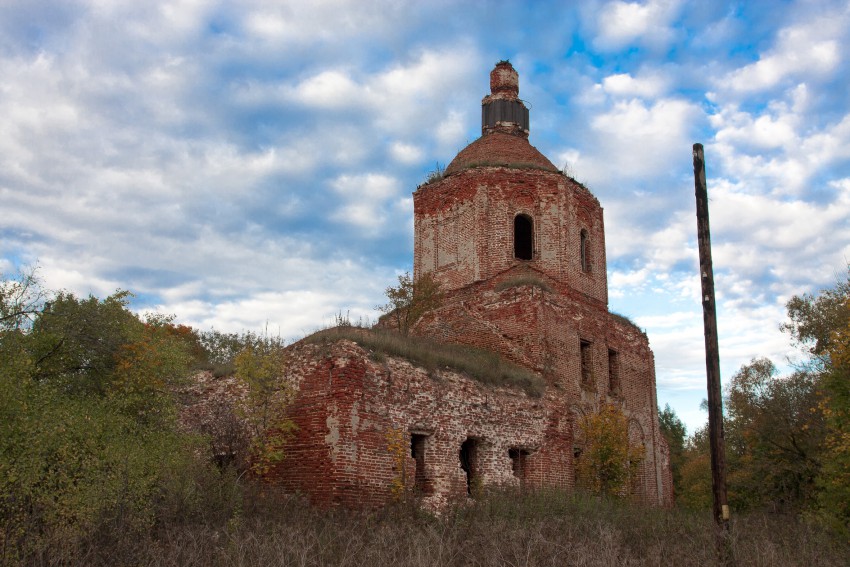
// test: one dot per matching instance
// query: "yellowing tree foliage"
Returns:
(609, 463)
(261, 366)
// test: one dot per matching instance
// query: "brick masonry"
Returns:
(545, 310)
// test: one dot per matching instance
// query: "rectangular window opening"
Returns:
(586, 363)
(417, 451)
(519, 461)
(613, 372)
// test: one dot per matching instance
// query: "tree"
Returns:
(814, 319)
(788, 437)
(673, 431)
(20, 299)
(608, 464)
(260, 366)
(696, 489)
(774, 436)
(410, 300)
(820, 324)
(88, 435)
(834, 481)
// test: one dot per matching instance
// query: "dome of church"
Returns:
(504, 129)
(500, 149)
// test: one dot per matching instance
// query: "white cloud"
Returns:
(622, 23)
(366, 198)
(406, 153)
(318, 21)
(330, 89)
(808, 49)
(782, 145)
(635, 139)
(646, 86)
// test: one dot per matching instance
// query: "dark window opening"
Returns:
(577, 480)
(417, 451)
(586, 363)
(519, 458)
(613, 372)
(468, 451)
(523, 237)
(585, 251)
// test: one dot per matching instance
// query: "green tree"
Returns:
(814, 319)
(834, 481)
(609, 463)
(410, 299)
(674, 433)
(87, 434)
(774, 436)
(820, 324)
(696, 490)
(261, 366)
(21, 298)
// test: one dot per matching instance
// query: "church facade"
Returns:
(518, 248)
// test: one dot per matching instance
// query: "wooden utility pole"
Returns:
(712, 360)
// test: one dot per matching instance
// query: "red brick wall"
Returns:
(464, 227)
(535, 312)
(347, 404)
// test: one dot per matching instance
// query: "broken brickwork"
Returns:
(519, 250)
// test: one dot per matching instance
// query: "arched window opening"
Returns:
(468, 455)
(523, 237)
(585, 251)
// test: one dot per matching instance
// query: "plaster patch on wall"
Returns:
(332, 438)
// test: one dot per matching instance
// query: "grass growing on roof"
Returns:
(481, 365)
(522, 280)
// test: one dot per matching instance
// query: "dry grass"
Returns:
(626, 321)
(521, 281)
(510, 529)
(483, 366)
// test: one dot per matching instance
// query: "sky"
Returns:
(249, 165)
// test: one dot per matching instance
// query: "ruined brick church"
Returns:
(519, 250)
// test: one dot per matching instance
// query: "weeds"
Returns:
(435, 174)
(522, 280)
(483, 366)
(504, 528)
(622, 319)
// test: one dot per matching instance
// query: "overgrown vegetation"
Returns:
(91, 454)
(94, 469)
(608, 463)
(411, 299)
(481, 365)
(435, 174)
(260, 365)
(87, 435)
(502, 528)
(521, 280)
(509, 165)
(622, 319)
(787, 437)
